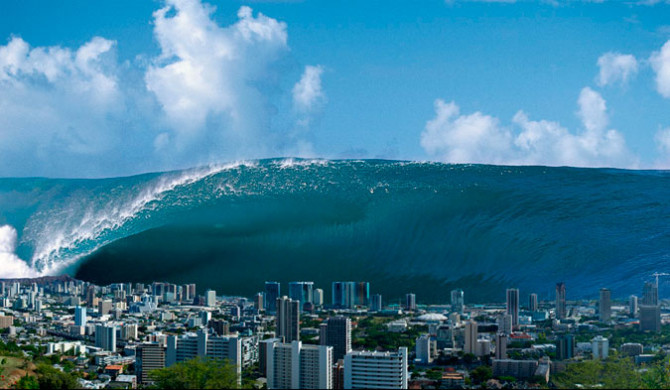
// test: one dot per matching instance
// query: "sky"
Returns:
(110, 88)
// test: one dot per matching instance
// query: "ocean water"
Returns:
(403, 226)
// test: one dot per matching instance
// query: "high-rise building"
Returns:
(220, 327)
(80, 316)
(288, 319)
(632, 306)
(104, 307)
(301, 291)
(210, 298)
(189, 346)
(600, 347)
(457, 301)
(605, 305)
(318, 297)
(376, 303)
(410, 302)
(148, 357)
(501, 346)
(376, 370)
(423, 349)
(650, 294)
(471, 336)
(272, 292)
(505, 324)
(561, 308)
(105, 337)
(344, 294)
(258, 301)
(650, 318)
(297, 366)
(336, 332)
(129, 332)
(513, 305)
(362, 294)
(532, 302)
(565, 347)
(90, 297)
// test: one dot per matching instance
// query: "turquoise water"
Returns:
(402, 226)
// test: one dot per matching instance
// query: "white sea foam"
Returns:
(11, 266)
(56, 232)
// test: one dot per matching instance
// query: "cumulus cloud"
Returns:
(474, 138)
(308, 92)
(56, 101)
(214, 92)
(660, 62)
(11, 266)
(480, 138)
(616, 68)
(210, 79)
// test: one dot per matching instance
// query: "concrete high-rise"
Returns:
(288, 319)
(513, 305)
(410, 302)
(471, 337)
(600, 347)
(272, 292)
(505, 324)
(258, 301)
(318, 297)
(189, 346)
(376, 370)
(457, 301)
(336, 332)
(532, 302)
(423, 349)
(561, 308)
(105, 337)
(605, 305)
(501, 346)
(297, 366)
(210, 298)
(632, 306)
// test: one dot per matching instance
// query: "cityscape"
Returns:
(303, 336)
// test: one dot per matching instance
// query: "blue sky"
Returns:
(114, 88)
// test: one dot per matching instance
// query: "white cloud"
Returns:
(207, 73)
(11, 266)
(474, 138)
(307, 92)
(616, 68)
(479, 138)
(212, 93)
(57, 104)
(660, 62)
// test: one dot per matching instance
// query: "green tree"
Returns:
(49, 377)
(481, 374)
(198, 373)
(615, 373)
(27, 382)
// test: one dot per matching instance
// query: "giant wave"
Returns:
(404, 226)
